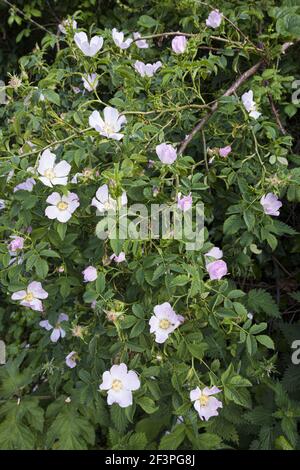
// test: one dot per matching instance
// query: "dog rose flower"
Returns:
(58, 331)
(89, 48)
(120, 383)
(25, 186)
(104, 202)
(250, 105)
(62, 207)
(147, 70)
(111, 125)
(185, 202)
(166, 153)
(67, 24)
(142, 44)
(271, 204)
(16, 244)
(164, 322)
(225, 151)
(118, 38)
(90, 82)
(53, 174)
(31, 296)
(215, 253)
(71, 359)
(90, 274)
(179, 44)
(216, 269)
(214, 19)
(118, 258)
(205, 403)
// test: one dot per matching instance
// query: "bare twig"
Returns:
(276, 115)
(26, 17)
(245, 76)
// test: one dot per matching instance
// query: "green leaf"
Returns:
(147, 404)
(266, 341)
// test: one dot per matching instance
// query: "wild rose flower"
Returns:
(16, 244)
(89, 48)
(179, 44)
(250, 105)
(225, 151)
(216, 269)
(164, 322)
(58, 331)
(142, 44)
(62, 207)
(31, 296)
(147, 70)
(120, 383)
(90, 81)
(71, 359)
(184, 203)
(118, 258)
(53, 174)
(118, 38)
(166, 153)
(104, 202)
(214, 19)
(271, 204)
(90, 274)
(205, 403)
(111, 125)
(25, 186)
(215, 253)
(67, 24)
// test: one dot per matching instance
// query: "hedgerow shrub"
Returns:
(206, 334)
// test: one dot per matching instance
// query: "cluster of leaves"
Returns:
(46, 405)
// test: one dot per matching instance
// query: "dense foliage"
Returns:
(238, 327)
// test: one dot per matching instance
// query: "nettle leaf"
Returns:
(68, 429)
(260, 301)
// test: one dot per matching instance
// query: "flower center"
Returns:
(49, 173)
(29, 297)
(203, 400)
(164, 324)
(117, 385)
(108, 129)
(62, 206)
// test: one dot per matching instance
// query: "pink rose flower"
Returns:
(71, 359)
(90, 274)
(214, 19)
(118, 258)
(166, 153)
(185, 202)
(217, 269)
(16, 244)
(179, 44)
(271, 204)
(31, 296)
(225, 151)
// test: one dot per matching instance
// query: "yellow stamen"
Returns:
(49, 173)
(203, 400)
(62, 206)
(164, 324)
(29, 297)
(117, 385)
